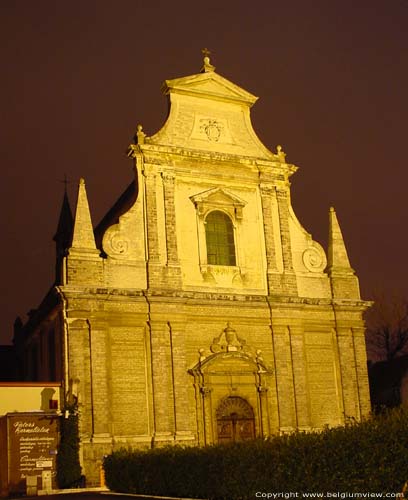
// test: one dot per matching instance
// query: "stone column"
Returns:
(263, 384)
(207, 414)
(263, 408)
(199, 421)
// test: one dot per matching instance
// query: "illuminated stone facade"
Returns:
(200, 310)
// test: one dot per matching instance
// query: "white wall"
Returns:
(27, 396)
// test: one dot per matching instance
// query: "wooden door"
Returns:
(235, 420)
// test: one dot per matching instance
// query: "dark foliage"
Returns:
(68, 466)
(369, 456)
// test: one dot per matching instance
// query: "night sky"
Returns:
(78, 76)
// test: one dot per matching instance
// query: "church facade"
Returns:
(200, 310)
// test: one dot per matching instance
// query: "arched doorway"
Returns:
(235, 420)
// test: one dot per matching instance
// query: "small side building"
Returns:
(29, 436)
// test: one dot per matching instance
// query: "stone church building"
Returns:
(199, 310)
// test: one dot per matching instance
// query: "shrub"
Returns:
(368, 456)
(68, 466)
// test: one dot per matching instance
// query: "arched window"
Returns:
(219, 236)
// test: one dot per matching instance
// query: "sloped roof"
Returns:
(63, 234)
(121, 206)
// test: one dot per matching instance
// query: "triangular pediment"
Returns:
(209, 85)
(218, 197)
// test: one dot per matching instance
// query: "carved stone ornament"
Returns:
(205, 391)
(280, 154)
(168, 178)
(227, 341)
(226, 276)
(212, 129)
(114, 243)
(267, 189)
(314, 258)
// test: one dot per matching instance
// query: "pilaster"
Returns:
(299, 371)
(182, 415)
(284, 377)
(78, 385)
(272, 272)
(154, 257)
(173, 270)
(347, 376)
(151, 215)
(163, 389)
(289, 285)
(360, 354)
(100, 360)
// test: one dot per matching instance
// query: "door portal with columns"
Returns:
(231, 391)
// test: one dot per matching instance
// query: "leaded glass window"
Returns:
(219, 235)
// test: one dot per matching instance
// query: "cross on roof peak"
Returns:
(65, 181)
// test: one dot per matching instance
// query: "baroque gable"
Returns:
(210, 113)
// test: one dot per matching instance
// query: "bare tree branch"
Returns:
(387, 327)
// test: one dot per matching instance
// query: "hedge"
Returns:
(371, 456)
(68, 466)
